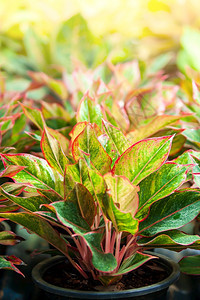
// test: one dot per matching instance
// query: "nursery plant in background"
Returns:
(114, 198)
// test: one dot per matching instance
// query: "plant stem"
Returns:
(117, 247)
(108, 236)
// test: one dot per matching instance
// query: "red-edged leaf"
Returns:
(87, 142)
(152, 127)
(89, 111)
(9, 238)
(53, 152)
(123, 192)
(171, 212)
(143, 158)
(9, 262)
(37, 172)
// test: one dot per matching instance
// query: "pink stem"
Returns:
(117, 248)
(108, 236)
(112, 243)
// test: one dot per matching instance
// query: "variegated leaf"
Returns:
(123, 192)
(160, 184)
(37, 172)
(171, 212)
(175, 240)
(143, 158)
(87, 142)
(53, 152)
(152, 127)
(89, 111)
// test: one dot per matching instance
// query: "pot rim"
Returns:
(43, 266)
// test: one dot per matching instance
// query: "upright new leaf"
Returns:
(89, 111)
(122, 221)
(53, 152)
(87, 142)
(35, 115)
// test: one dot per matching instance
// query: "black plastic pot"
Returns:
(156, 291)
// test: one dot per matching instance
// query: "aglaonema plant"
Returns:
(114, 198)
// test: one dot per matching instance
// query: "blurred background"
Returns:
(49, 35)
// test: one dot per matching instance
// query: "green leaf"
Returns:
(11, 171)
(69, 215)
(117, 138)
(87, 142)
(113, 141)
(89, 111)
(53, 152)
(152, 127)
(82, 173)
(123, 192)
(37, 172)
(105, 262)
(193, 136)
(191, 157)
(190, 265)
(160, 184)
(77, 129)
(31, 204)
(143, 158)
(84, 201)
(39, 226)
(8, 262)
(122, 222)
(35, 115)
(133, 262)
(171, 212)
(173, 240)
(9, 238)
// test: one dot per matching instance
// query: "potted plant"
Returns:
(113, 198)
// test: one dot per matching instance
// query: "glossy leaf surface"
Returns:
(89, 111)
(10, 262)
(53, 152)
(160, 184)
(123, 192)
(190, 265)
(37, 172)
(171, 212)
(133, 262)
(38, 226)
(87, 142)
(143, 158)
(173, 240)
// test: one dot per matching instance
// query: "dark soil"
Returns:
(63, 275)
